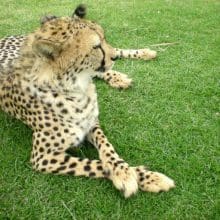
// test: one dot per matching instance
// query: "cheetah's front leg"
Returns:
(123, 177)
(121, 174)
(153, 181)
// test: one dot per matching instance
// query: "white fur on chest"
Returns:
(82, 81)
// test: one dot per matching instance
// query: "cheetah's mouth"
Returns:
(101, 69)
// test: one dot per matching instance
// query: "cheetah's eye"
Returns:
(97, 46)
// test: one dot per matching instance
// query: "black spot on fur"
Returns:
(64, 111)
(61, 168)
(87, 168)
(92, 174)
(99, 167)
(73, 165)
(45, 162)
(53, 161)
(72, 172)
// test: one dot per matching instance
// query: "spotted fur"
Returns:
(49, 87)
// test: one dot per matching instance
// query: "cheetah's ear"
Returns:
(80, 11)
(47, 18)
(47, 48)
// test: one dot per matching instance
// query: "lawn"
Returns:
(168, 120)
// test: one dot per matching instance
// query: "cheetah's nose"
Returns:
(114, 58)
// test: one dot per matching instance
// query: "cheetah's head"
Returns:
(73, 44)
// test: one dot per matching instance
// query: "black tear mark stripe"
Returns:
(103, 59)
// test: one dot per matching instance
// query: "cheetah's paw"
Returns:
(123, 177)
(147, 54)
(118, 80)
(153, 181)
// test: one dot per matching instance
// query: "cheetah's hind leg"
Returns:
(119, 172)
(144, 54)
(51, 157)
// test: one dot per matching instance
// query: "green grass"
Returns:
(168, 120)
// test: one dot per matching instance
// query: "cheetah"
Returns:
(50, 89)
